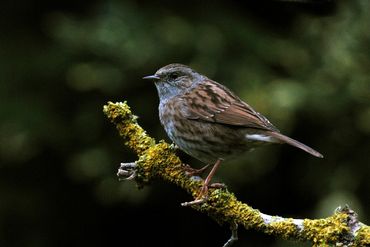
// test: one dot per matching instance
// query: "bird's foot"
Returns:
(190, 171)
(203, 194)
(201, 198)
(195, 202)
(217, 186)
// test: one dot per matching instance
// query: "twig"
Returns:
(158, 160)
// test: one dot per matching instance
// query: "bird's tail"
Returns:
(284, 139)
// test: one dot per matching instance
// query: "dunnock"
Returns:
(208, 121)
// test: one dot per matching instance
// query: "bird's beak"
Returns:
(151, 77)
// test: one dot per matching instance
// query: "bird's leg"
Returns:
(203, 194)
(204, 190)
(190, 171)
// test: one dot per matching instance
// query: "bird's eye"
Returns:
(173, 76)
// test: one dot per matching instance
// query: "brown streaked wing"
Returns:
(212, 102)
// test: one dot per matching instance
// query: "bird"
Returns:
(209, 122)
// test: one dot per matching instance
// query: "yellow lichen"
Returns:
(134, 136)
(326, 231)
(169, 167)
(284, 228)
(363, 236)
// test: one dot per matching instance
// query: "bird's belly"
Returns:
(205, 141)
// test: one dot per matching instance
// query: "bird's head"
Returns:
(174, 80)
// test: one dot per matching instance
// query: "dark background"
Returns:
(305, 65)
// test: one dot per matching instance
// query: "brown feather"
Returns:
(212, 102)
(295, 143)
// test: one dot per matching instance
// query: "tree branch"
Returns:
(158, 160)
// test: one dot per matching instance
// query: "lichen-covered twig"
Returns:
(158, 160)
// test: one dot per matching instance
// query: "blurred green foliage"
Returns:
(303, 65)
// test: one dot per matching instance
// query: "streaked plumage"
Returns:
(208, 121)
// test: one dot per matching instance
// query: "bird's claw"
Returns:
(217, 186)
(195, 202)
(201, 198)
(190, 171)
(127, 171)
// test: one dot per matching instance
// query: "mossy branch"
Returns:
(158, 160)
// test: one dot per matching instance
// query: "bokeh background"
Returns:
(305, 65)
